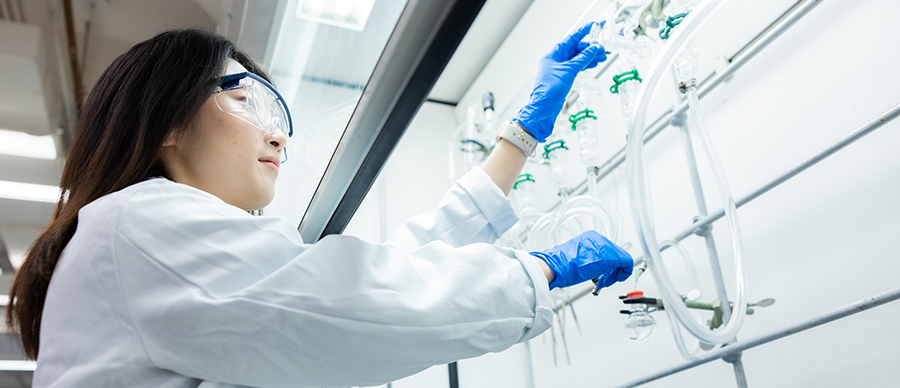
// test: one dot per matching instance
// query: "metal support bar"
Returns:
(73, 54)
(739, 373)
(838, 145)
(839, 313)
(714, 264)
(453, 373)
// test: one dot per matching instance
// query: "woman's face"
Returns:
(226, 156)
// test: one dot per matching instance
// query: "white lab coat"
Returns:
(164, 285)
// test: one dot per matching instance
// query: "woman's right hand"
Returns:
(587, 256)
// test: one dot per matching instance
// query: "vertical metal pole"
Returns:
(739, 373)
(454, 375)
(73, 54)
(529, 366)
(706, 232)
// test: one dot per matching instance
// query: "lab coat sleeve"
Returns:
(219, 295)
(474, 210)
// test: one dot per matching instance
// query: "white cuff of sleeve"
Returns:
(490, 200)
(543, 303)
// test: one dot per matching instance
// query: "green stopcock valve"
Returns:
(585, 114)
(624, 77)
(671, 22)
(523, 178)
(553, 146)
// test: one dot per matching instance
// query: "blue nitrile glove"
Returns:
(555, 76)
(588, 256)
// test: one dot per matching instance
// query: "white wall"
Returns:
(414, 178)
(819, 241)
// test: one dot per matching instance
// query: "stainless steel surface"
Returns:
(834, 315)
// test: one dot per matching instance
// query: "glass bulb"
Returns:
(640, 326)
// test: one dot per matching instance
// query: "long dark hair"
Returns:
(155, 88)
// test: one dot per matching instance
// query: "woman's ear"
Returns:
(174, 137)
(171, 139)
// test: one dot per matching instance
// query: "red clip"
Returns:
(634, 294)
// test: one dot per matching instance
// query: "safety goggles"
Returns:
(250, 98)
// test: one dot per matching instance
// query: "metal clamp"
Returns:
(683, 87)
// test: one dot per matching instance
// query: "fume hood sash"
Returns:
(421, 44)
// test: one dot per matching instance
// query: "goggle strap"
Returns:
(231, 81)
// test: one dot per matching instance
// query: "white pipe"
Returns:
(639, 192)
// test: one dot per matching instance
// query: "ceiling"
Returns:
(105, 29)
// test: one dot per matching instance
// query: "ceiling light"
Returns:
(18, 365)
(22, 144)
(29, 192)
(351, 14)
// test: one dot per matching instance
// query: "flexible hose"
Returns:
(693, 277)
(687, 354)
(641, 206)
(691, 295)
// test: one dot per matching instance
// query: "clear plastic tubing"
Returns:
(687, 354)
(582, 206)
(691, 295)
(694, 293)
(524, 221)
(539, 225)
(639, 192)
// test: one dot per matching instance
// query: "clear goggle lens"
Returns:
(256, 104)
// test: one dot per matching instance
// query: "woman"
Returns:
(153, 274)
